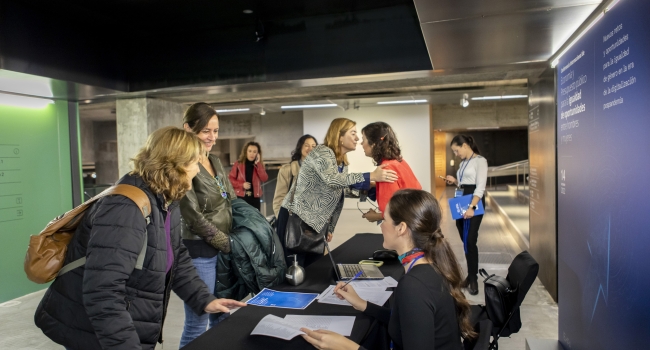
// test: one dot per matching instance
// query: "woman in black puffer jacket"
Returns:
(108, 303)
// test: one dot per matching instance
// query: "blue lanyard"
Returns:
(413, 262)
(460, 179)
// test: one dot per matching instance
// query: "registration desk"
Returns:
(234, 332)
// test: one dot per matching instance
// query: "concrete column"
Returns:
(106, 163)
(136, 119)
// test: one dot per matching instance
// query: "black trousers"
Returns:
(253, 201)
(472, 237)
(304, 259)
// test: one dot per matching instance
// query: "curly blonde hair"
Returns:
(161, 162)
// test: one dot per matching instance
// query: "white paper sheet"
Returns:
(339, 324)
(385, 283)
(274, 326)
(289, 327)
(373, 295)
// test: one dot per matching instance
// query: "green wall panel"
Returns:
(35, 184)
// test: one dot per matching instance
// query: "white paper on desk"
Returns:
(329, 290)
(373, 295)
(289, 327)
(385, 283)
(274, 326)
(339, 324)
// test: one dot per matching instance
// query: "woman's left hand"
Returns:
(469, 213)
(329, 237)
(223, 305)
(327, 340)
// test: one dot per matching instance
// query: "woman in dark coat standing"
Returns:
(108, 302)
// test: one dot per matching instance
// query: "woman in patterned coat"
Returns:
(322, 184)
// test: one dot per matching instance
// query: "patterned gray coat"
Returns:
(320, 189)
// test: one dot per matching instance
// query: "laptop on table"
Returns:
(347, 271)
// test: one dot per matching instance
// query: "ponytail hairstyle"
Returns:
(420, 211)
(383, 141)
(459, 140)
(198, 115)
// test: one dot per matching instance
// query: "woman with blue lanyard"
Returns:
(428, 308)
(472, 177)
(207, 213)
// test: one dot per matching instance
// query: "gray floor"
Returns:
(539, 312)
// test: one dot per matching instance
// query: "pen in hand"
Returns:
(352, 279)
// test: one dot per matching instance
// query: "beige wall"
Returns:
(411, 124)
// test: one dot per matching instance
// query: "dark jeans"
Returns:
(304, 259)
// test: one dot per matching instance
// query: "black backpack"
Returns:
(500, 299)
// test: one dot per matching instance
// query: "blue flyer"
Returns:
(459, 205)
(287, 300)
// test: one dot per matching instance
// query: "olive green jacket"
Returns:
(207, 215)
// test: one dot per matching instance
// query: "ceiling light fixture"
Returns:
(233, 110)
(483, 128)
(401, 102)
(556, 60)
(262, 112)
(24, 101)
(504, 97)
(310, 106)
(248, 12)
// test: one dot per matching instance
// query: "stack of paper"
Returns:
(289, 327)
(373, 295)
(382, 284)
(287, 300)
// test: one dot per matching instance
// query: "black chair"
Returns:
(521, 275)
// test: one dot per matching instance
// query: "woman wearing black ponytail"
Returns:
(472, 177)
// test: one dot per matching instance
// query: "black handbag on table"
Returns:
(300, 237)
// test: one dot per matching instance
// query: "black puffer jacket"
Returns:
(108, 303)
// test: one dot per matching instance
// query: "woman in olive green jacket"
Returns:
(206, 213)
(289, 172)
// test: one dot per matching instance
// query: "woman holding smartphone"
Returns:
(472, 177)
(248, 173)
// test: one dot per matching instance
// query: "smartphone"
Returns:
(442, 177)
(377, 263)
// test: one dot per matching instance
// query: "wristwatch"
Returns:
(473, 207)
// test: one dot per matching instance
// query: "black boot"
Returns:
(473, 285)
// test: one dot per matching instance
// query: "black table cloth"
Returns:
(234, 332)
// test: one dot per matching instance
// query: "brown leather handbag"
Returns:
(46, 252)
(300, 237)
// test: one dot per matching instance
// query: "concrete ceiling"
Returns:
(476, 47)
(438, 87)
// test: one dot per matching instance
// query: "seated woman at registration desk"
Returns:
(428, 309)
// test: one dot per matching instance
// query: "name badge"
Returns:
(459, 192)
